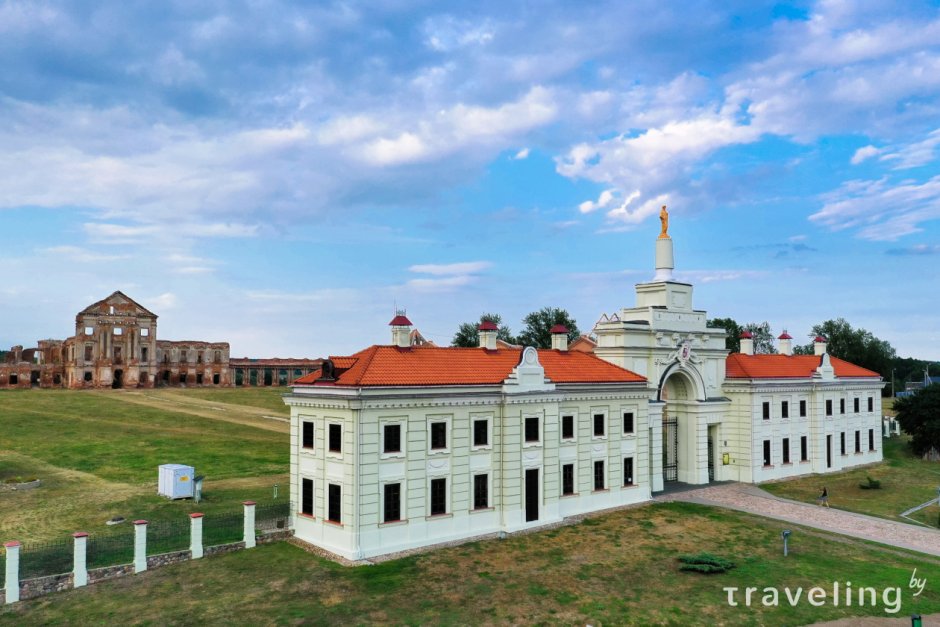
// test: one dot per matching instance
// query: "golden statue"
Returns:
(664, 219)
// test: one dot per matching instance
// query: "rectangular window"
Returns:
(871, 404)
(871, 439)
(392, 508)
(307, 440)
(89, 330)
(766, 410)
(567, 427)
(531, 429)
(599, 425)
(766, 452)
(88, 351)
(785, 409)
(391, 439)
(627, 471)
(438, 497)
(481, 433)
(335, 505)
(802, 409)
(567, 479)
(829, 407)
(856, 402)
(858, 441)
(438, 435)
(118, 331)
(628, 422)
(481, 491)
(599, 475)
(786, 450)
(842, 442)
(804, 449)
(841, 405)
(306, 497)
(336, 438)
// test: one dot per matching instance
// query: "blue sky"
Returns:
(282, 175)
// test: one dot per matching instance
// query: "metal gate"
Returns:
(670, 449)
(711, 459)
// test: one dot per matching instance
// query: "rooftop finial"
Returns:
(664, 219)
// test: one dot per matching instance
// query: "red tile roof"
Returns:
(559, 328)
(400, 321)
(381, 366)
(740, 366)
(746, 335)
(486, 325)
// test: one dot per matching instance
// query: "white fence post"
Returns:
(80, 560)
(140, 546)
(249, 524)
(12, 581)
(195, 535)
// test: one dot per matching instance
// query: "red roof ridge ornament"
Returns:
(559, 328)
(487, 325)
(400, 320)
(785, 336)
(746, 335)
(820, 338)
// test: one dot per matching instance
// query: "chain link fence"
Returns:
(39, 559)
(273, 516)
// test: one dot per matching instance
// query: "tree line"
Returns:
(536, 329)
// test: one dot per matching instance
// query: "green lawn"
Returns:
(619, 568)
(265, 398)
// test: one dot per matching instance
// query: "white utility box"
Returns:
(176, 481)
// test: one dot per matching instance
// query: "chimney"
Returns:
(786, 343)
(488, 331)
(747, 343)
(401, 330)
(559, 337)
(819, 345)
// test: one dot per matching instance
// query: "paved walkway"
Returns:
(750, 498)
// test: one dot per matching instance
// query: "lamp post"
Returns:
(785, 534)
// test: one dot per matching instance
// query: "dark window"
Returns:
(804, 449)
(531, 429)
(786, 450)
(871, 439)
(841, 405)
(628, 422)
(567, 427)
(392, 439)
(335, 507)
(481, 434)
(766, 410)
(481, 492)
(306, 497)
(829, 407)
(802, 409)
(856, 402)
(392, 502)
(871, 404)
(87, 377)
(858, 441)
(785, 409)
(767, 452)
(215, 379)
(599, 475)
(567, 479)
(438, 496)
(627, 471)
(598, 424)
(88, 350)
(308, 435)
(336, 438)
(438, 435)
(144, 354)
(842, 442)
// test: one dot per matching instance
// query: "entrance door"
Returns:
(531, 494)
(828, 451)
(711, 457)
(670, 448)
(118, 380)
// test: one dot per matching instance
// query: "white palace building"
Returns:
(399, 446)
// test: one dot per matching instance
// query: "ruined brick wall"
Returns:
(193, 363)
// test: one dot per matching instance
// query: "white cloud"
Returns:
(607, 196)
(441, 285)
(863, 153)
(447, 33)
(81, 255)
(437, 269)
(915, 154)
(167, 300)
(522, 154)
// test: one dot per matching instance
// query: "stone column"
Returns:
(140, 546)
(249, 524)
(80, 560)
(12, 581)
(195, 535)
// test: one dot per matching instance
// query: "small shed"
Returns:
(176, 481)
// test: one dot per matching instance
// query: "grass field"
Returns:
(618, 568)
(97, 454)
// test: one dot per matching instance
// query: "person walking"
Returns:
(823, 498)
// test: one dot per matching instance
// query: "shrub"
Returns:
(873, 484)
(705, 563)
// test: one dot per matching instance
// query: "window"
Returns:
(599, 475)
(841, 405)
(438, 435)
(804, 449)
(829, 407)
(89, 348)
(855, 404)
(871, 404)
(567, 479)
(531, 430)
(336, 438)
(802, 409)
(215, 379)
(599, 425)
(335, 507)
(766, 410)
(392, 509)
(307, 441)
(87, 376)
(481, 432)
(111, 310)
(217, 358)
(567, 427)
(118, 331)
(391, 439)
(183, 355)
(481, 491)
(306, 497)
(144, 354)
(145, 333)
(627, 471)
(766, 452)
(199, 357)
(871, 439)
(842, 442)
(438, 496)
(785, 409)
(786, 450)
(858, 441)
(628, 422)
(89, 330)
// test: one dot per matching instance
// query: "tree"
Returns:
(468, 333)
(762, 335)
(538, 325)
(919, 415)
(854, 345)
(733, 341)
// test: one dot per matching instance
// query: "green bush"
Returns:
(705, 563)
(873, 484)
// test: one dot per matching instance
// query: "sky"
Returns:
(284, 176)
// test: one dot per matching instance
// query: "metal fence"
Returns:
(273, 516)
(167, 537)
(222, 528)
(39, 559)
(110, 549)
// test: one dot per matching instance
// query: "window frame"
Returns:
(785, 409)
(432, 482)
(603, 422)
(828, 408)
(871, 403)
(768, 459)
(574, 430)
(765, 410)
(858, 440)
(474, 420)
(335, 452)
(305, 484)
(842, 406)
(629, 416)
(628, 462)
(871, 440)
(842, 443)
(803, 408)
(857, 405)
(804, 448)
(304, 424)
(785, 450)
(527, 422)
(599, 464)
(481, 479)
(400, 425)
(386, 502)
(334, 498)
(436, 420)
(574, 479)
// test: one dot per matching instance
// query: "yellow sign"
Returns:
(184, 478)
(725, 458)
